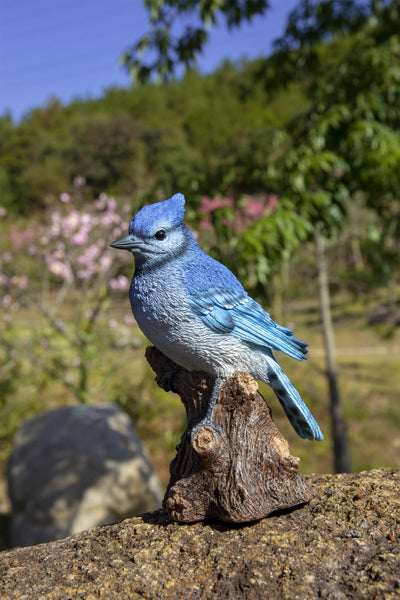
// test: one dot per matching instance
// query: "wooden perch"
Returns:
(244, 474)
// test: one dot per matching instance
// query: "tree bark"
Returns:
(242, 474)
(340, 445)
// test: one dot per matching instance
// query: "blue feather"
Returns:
(237, 313)
(228, 309)
(161, 215)
(219, 320)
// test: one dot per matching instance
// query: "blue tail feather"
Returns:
(296, 411)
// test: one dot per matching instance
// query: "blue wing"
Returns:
(234, 312)
(218, 299)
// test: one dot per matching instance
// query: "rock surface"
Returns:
(74, 468)
(343, 544)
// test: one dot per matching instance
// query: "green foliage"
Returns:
(102, 148)
(347, 147)
(170, 49)
(6, 193)
(201, 135)
(312, 21)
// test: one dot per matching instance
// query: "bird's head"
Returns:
(157, 232)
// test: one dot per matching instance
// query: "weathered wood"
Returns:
(244, 474)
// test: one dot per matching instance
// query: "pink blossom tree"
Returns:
(239, 232)
(63, 271)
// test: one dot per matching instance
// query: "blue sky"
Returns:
(71, 48)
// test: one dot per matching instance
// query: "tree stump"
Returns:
(244, 474)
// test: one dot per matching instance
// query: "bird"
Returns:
(194, 309)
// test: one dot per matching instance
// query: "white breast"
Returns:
(163, 314)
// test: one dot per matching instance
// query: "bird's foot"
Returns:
(204, 423)
(207, 421)
(166, 380)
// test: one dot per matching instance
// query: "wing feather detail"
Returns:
(234, 312)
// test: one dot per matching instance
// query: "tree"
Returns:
(170, 49)
(75, 264)
(162, 49)
(340, 445)
(345, 151)
(312, 21)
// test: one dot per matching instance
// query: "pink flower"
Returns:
(58, 255)
(111, 204)
(80, 238)
(272, 203)
(60, 269)
(208, 205)
(64, 197)
(107, 219)
(7, 301)
(90, 255)
(129, 320)
(22, 282)
(205, 225)
(85, 274)
(105, 262)
(254, 207)
(119, 283)
(79, 181)
(21, 237)
(86, 219)
(55, 228)
(72, 221)
(101, 202)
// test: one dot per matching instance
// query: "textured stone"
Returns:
(343, 544)
(75, 468)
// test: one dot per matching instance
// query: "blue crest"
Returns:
(160, 215)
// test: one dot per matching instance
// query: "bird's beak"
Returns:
(128, 242)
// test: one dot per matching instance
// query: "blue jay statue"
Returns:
(196, 312)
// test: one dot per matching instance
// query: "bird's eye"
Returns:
(160, 234)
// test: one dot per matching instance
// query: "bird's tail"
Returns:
(296, 411)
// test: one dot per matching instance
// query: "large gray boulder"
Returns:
(75, 468)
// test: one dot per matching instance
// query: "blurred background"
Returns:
(280, 122)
